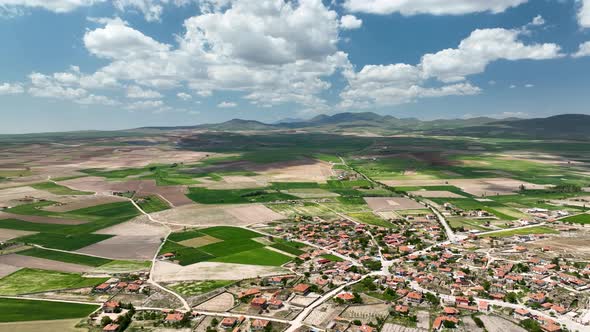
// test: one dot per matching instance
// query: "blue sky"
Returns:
(98, 64)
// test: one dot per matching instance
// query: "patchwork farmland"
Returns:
(335, 232)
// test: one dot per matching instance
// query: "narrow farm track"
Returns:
(151, 279)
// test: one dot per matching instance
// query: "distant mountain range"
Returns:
(566, 126)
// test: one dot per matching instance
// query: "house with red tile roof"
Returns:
(111, 328)
(110, 306)
(345, 296)
(174, 317)
(301, 289)
(414, 297)
(439, 322)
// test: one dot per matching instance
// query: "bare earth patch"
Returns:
(220, 303)
(476, 187)
(41, 219)
(138, 226)
(6, 269)
(61, 325)
(41, 263)
(380, 204)
(497, 324)
(175, 195)
(137, 157)
(8, 234)
(168, 272)
(255, 213)
(200, 241)
(83, 201)
(13, 196)
(435, 194)
(217, 215)
(132, 247)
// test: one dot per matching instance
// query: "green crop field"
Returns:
(496, 208)
(34, 280)
(333, 258)
(258, 256)
(61, 256)
(524, 231)
(153, 203)
(20, 310)
(58, 189)
(199, 287)
(452, 189)
(293, 185)
(235, 240)
(70, 237)
(236, 196)
(370, 218)
(287, 248)
(583, 218)
(125, 266)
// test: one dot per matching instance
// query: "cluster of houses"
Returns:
(135, 284)
(510, 274)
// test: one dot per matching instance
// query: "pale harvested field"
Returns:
(221, 303)
(8, 234)
(388, 327)
(41, 219)
(232, 179)
(302, 301)
(311, 171)
(497, 324)
(254, 213)
(133, 247)
(470, 324)
(139, 157)
(251, 182)
(311, 193)
(83, 201)
(41, 263)
(323, 314)
(435, 194)
(11, 196)
(388, 215)
(139, 226)
(212, 215)
(423, 320)
(578, 245)
(61, 325)
(366, 311)
(6, 269)
(173, 194)
(200, 241)
(476, 187)
(380, 204)
(542, 159)
(169, 272)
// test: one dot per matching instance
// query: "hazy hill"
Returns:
(567, 126)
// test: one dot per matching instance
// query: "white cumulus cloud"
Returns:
(433, 7)
(482, 47)
(583, 50)
(227, 104)
(56, 6)
(401, 83)
(137, 92)
(11, 88)
(184, 96)
(350, 22)
(584, 13)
